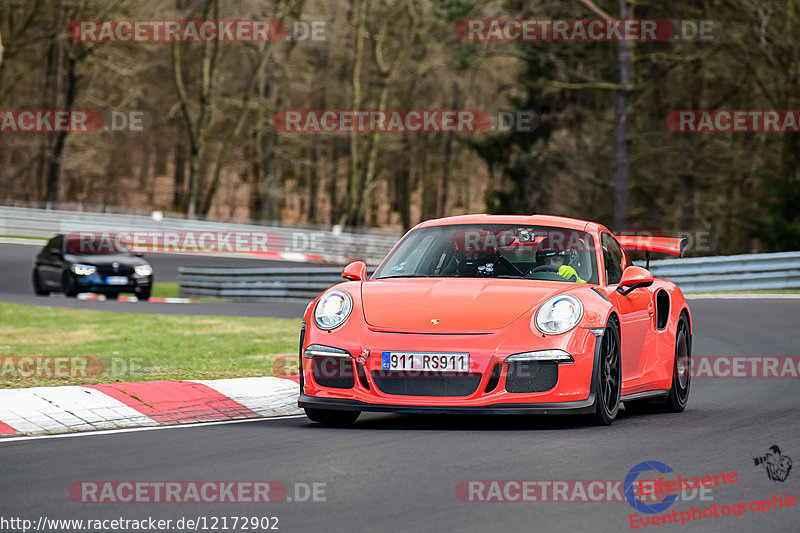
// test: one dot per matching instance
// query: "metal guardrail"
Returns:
(732, 272)
(253, 284)
(330, 246)
(705, 274)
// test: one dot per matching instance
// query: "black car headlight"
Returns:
(332, 309)
(143, 270)
(83, 270)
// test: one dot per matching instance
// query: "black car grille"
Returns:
(398, 382)
(531, 376)
(334, 372)
(108, 270)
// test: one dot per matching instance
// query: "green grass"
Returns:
(162, 346)
(23, 237)
(165, 290)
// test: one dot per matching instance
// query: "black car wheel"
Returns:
(38, 289)
(681, 371)
(330, 417)
(608, 382)
(112, 296)
(68, 285)
(142, 295)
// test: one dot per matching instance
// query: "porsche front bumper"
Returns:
(573, 391)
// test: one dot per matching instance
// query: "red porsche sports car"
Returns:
(498, 314)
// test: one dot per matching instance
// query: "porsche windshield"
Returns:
(494, 251)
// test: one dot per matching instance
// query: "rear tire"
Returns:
(330, 417)
(112, 296)
(681, 370)
(607, 380)
(38, 289)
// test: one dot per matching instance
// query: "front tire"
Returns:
(330, 417)
(681, 370)
(38, 289)
(143, 296)
(608, 385)
(68, 285)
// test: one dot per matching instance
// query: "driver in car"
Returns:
(554, 258)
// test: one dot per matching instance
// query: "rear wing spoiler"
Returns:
(645, 243)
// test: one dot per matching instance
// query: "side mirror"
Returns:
(55, 252)
(356, 271)
(633, 278)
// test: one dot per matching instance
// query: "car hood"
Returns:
(460, 305)
(105, 259)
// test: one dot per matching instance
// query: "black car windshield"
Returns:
(494, 251)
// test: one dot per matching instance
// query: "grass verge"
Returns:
(165, 290)
(104, 347)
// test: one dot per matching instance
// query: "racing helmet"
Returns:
(554, 248)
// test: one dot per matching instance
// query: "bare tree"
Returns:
(623, 90)
(197, 126)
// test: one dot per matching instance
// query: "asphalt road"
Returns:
(400, 473)
(16, 261)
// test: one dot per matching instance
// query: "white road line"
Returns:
(7, 440)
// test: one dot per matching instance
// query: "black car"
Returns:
(59, 269)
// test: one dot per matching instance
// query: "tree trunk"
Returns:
(179, 178)
(197, 128)
(313, 180)
(429, 189)
(622, 160)
(56, 140)
(353, 194)
(448, 160)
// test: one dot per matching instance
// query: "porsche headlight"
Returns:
(559, 314)
(84, 270)
(143, 270)
(332, 309)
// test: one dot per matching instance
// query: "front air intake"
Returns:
(531, 376)
(401, 383)
(334, 372)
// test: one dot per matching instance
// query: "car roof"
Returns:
(528, 220)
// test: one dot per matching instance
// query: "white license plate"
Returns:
(117, 280)
(419, 361)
